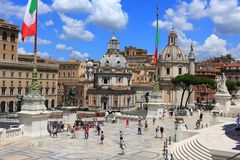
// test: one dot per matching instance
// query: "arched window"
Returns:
(12, 37)
(4, 36)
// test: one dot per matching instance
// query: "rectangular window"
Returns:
(4, 83)
(41, 75)
(12, 74)
(19, 83)
(12, 47)
(4, 56)
(11, 83)
(11, 92)
(180, 71)
(12, 57)
(27, 75)
(47, 76)
(27, 83)
(47, 91)
(4, 73)
(20, 74)
(3, 91)
(19, 91)
(53, 91)
(168, 70)
(53, 76)
(4, 46)
(105, 81)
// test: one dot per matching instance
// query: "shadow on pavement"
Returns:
(231, 133)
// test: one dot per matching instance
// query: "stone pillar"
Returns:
(191, 70)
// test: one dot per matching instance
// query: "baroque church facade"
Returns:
(112, 80)
(173, 62)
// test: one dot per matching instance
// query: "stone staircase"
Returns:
(190, 149)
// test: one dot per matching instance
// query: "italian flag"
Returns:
(156, 42)
(29, 25)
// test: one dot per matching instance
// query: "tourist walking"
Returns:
(127, 123)
(122, 146)
(139, 128)
(201, 116)
(86, 131)
(157, 131)
(146, 125)
(154, 120)
(198, 124)
(161, 131)
(121, 135)
(98, 128)
(73, 132)
(55, 132)
(101, 137)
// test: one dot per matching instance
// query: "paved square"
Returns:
(138, 146)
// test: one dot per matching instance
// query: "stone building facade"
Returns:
(16, 72)
(112, 82)
(173, 62)
(72, 79)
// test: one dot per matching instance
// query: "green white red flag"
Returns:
(29, 25)
(156, 42)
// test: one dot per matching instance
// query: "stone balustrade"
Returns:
(30, 63)
(6, 134)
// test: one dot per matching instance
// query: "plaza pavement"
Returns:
(139, 147)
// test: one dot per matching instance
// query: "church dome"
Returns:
(89, 64)
(172, 52)
(113, 58)
(114, 61)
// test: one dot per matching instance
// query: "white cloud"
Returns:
(73, 6)
(104, 13)
(23, 51)
(108, 14)
(225, 15)
(60, 59)
(74, 28)
(43, 8)
(40, 54)
(39, 40)
(49, 23)
(235, 52)
(77, 54)
(44, 55)
(177, 18)
(9, 9)
(63, 47)
(212, 46)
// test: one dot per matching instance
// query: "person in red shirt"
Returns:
(127, 123)
(86, 131)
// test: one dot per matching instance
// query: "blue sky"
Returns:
(84, 27)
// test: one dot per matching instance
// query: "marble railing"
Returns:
(29, 63)
(10, 133)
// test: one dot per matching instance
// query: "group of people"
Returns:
(54, 127)
(71, 130)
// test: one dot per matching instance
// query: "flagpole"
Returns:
(35, 87)
(35, 37)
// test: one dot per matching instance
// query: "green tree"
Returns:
(231, 85)
(189, 82)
